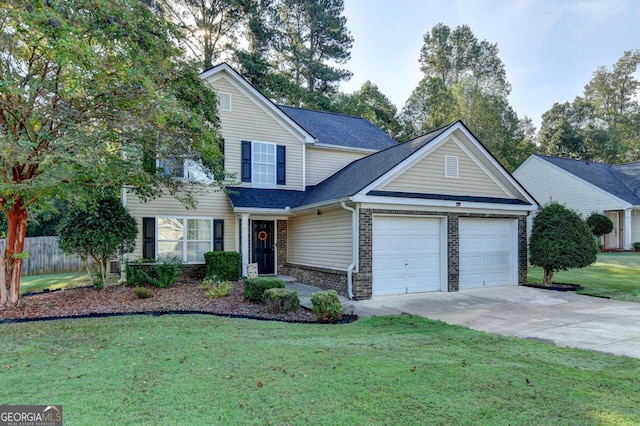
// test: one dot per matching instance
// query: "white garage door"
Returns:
(488, 252)
(406, 254)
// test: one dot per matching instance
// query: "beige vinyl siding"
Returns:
(546, 182)
(210, 204)
(321, 240)
(322, 162)
(247, 121)
(427, 176)
(635, 226)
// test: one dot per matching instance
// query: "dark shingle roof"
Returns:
(621, 180)
(357, 175)
(264, 198)
(340, 130)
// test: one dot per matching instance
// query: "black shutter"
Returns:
(148, 238)
(281, 165)
(149, 158)
(222, 152)
(218, 235)
(246, 161)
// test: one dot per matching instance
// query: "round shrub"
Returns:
(281, 300)
(560, 240)
(326, 305)
(599, 224)
(254, 288)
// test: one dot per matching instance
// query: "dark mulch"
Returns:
(184, 296)
(556, 286)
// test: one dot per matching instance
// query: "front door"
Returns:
(263, 245)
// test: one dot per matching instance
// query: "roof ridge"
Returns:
(323, 112)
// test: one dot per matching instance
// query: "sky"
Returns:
(550, 48)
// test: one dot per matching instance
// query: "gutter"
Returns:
(354, 238)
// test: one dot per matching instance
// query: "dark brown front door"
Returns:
(263, 245)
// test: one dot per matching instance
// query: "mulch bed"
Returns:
(183, 297)
(556, 286)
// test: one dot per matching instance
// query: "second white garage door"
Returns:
(488, 252)
(407, 254)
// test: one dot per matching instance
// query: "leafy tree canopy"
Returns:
(88, 91)
(600, 224)
(465, 79)
(604, 123)
(560, 240)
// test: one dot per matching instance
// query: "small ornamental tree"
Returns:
(599, 224)
(560, 240)
(98, 232)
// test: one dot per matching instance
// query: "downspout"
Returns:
(354, 223)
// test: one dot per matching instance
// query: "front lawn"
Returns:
(405, 370)
(614, 276)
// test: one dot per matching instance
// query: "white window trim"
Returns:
(255, 184)
(451, 166)
(185, 233)
(191, 170)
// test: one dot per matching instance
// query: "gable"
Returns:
(249, 120)
(430, 175)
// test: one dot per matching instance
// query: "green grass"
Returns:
(614, 276)
(405, 370)
(37, 283)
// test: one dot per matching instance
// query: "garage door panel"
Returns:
(486, 252)
(406, 255)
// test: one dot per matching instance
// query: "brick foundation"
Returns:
(328, 279)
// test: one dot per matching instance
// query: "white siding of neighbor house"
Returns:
(247, 121)
(546, 182)
(635, 226)
(321, 240)
(210, 204)
(323, 162)
(427, 176)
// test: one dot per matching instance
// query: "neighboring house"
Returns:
(333, 201)
(587, 187)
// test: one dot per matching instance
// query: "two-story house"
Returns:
(333, 201)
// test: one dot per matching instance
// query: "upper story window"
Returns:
(180, 168)
(263, 164)
(224, 101)
(451, 166)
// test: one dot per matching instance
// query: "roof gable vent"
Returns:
(224, 101)
(451, 166)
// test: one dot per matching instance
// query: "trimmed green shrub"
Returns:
(326, 305)
(226, 265)
(254, 288)
(159, 274)
(560, 240)
(141, 292)
(281, 300)
(636, 246)
(599, 224)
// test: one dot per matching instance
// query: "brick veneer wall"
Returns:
(281, 246)
(320, 277)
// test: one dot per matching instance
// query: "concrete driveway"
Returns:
(561, 318)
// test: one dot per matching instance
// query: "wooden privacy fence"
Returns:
(46, 258)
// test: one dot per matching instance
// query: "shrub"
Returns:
(216, 288)
(141, 292)
(599, 224)
(326, 305)
(636, 246)
(560, 240)
(159, 274)
(281, 300)
(97, 282)
(226, 265)
(254, 287)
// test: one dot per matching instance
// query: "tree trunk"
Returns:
(12, 260)
(548, 276)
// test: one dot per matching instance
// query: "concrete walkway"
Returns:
(560, 318)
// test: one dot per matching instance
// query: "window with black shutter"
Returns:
(218, 235)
